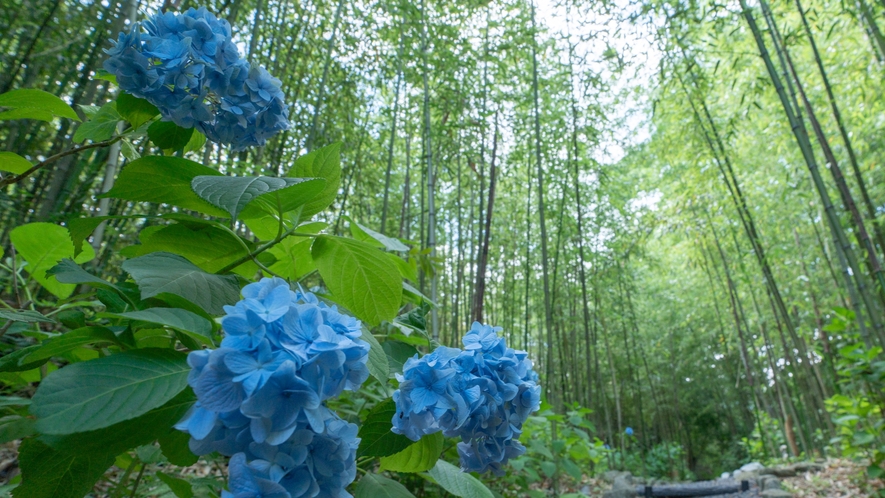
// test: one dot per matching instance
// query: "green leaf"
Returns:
(376, 486)
(128, 150)
(458, 483)
(378, 364)
(102, 392)
(572, 469)
(366, 234)
(100, 127)
(169, 136)
(164, 180)
(135, 110)
(549, 469)
(68, 272)
(175, 318)
(322, 163)
(38, 101)
(69, 341)
(15, 427)
(197, 141)
(397, 354)
(176, 449)
(12, 362)
(162, 272)
(128, 434)
(43, 245)
(27, 114)
(376, 438)
(81, 228)
(14, 163)
(234, 193)
(14, 401)
(48, 473)
(207, 246)
(293, 259)
(862, 438)
(179, 487)
(418, 457)
(408, 269)
(360, 277)
(263, 215)
(28, 316)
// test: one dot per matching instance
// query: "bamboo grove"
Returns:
(674, 206)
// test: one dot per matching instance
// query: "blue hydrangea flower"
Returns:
(482, 394)
(189, 67)
(261, 394)
(629, 431)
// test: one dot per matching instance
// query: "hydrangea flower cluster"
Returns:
(483, 394)
(260, 396)
(189, 67)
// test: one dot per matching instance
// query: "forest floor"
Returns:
(841, 478)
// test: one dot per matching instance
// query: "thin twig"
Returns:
(137, 480)
(56, 157)
(261, 249)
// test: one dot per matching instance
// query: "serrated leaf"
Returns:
(81, 228)
(69, 341)
(128, 150)
(128, 434)
(376, 437)
(234, 193)
(15, 427)
(176, 449)
(135, 110)
(366, 234)
(68, 272)
(48, 473)
(360, 277)
(102, 445)
(90, 111)
(459, 483)
(175, 318)
(262, 216)
(28, 316)
(376, 486)
(165, 180)
(14, 163)
(377, 363)
(397, 354)
(163, 272)
(293, 259)
(206, 246)
(43, 245)
(196, 142)
(12, 362)
(418, 457)
(322, 163)
(102, 392)
(100, 127)
(180, 488)
(169, 136)
(38, 100)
